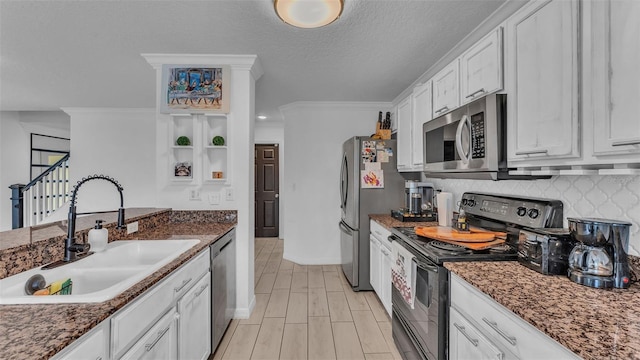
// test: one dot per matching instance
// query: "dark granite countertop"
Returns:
(593, 323)
(40, 331)
(389, 222)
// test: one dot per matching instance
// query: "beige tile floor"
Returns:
(307, 312)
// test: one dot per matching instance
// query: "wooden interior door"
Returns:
(266, 190)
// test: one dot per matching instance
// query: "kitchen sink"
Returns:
(100, 276)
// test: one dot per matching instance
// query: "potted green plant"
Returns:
(183, 141)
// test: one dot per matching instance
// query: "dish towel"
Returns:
(403, 272)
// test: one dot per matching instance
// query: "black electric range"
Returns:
(420, 339)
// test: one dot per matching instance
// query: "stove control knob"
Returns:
(471, 203)
(465, 202)
(522, 211)
(533, 213)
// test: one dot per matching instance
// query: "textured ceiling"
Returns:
(86, 53)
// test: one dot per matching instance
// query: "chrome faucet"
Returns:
(71, 248)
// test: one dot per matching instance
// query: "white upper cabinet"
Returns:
(481, 68)
(422, 112)
(404, 114)
(615, 71)
(446, 89)
(542, 81)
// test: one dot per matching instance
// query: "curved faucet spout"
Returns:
(71, 248)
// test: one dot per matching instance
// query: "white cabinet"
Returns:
(422, 112)
(467, 342)
(481, 68)
(446, 89)
(511, 335)
(194, 326)
(374, 263)
(380, 263)
(542, 81)
(404, 114)
(385, 275)
(92, 345)
(159, 343)
(615, 87)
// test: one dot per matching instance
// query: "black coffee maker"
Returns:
(599, 257)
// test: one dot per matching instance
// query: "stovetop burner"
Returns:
(451, 248)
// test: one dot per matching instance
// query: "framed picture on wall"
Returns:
(195, 89)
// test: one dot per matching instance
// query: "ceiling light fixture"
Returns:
(308, 14)
(262, 117)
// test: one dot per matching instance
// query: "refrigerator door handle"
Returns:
(345, 229)
(344, 182)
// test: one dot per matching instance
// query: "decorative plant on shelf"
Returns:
(183, 141)
(218, 141)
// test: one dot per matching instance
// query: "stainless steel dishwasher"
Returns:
(223, 289)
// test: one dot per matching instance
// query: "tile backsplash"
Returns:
(610, 197)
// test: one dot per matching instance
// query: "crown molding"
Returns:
(241, 62)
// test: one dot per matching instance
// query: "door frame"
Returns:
(280, 181)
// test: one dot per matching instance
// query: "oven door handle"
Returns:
(425, 266)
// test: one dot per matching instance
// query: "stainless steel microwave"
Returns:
(469, 142)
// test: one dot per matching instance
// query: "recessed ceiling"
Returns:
(86, 53)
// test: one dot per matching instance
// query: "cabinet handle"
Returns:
(377, 232)
(481, 91)
(184, 283)
(625, 142)
(531, 152)
(99, 358)
(385, 252)
(494, 326)
(445, 108)
(161, 333)
(202, 289)
(463, 332)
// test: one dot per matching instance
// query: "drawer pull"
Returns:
(463, 332)
(444, 108)
(532, 152)
(481, 91)
(494, 326)
(625, 142)
(184, 283)
(161, 333)
(202, 289)
(99, 358)
(385, 252)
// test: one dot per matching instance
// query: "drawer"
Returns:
(159, 343)
(503, 326)
(131, 322)
(379, 231)
(92, 345)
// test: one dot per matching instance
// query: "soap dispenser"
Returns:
(98, 237)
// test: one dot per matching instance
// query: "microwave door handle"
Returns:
(459, 149)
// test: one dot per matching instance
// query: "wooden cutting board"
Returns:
(447, 233)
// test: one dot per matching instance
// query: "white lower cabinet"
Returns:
(194, 328)
(159, 343)
(380, 263)
(93, 345)
(478, 319)
(467, 342)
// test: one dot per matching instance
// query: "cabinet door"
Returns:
(466, 341)
(616, 89)
(543, 81)
(481, 68)
(385, 278)
(374, 264)
(422, 112)
(159, 343)
(194, 327)
(404, 134)
(93, 345)
(446, 90)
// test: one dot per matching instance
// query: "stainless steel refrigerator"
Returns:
(360, 196)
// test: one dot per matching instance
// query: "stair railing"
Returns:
(33, 202)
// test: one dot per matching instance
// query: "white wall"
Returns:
(119, 143)
(610, 197)
(273, 133)
(314, 133)
(15, 136)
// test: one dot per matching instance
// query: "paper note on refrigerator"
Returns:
(371, 179)
(372, 166)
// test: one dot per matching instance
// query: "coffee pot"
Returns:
(599, 257)
(418, 196)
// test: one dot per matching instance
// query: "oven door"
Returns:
(426, 323)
